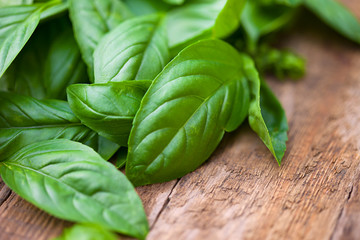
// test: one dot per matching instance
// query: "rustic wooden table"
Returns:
(241, 193)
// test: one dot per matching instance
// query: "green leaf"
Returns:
(17, 24)
(290, 3)
(54, 10)
(121, 157)
(199, 19)
(86, 232)
(337, 16)
(174, 2)
(48, 64)
(283, 63)
(136, 49)
(103, 146)
(145, 7)
(107, 148)
(92, 19)
(25, 120)
(109, 108)
(260, 20)
(6, 3)
(196, 98)
(266, 115)
(72, 182)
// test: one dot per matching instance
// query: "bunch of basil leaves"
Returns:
(151, 82)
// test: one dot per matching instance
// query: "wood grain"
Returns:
(241, 193)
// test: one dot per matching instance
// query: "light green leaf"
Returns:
(337, 16)
(86, 232)
(109, 108)
(136, 49)
(92, 19)
(196, 98)
(266, 115)
(17, 24)
(145, 7)
(6, 3)
(25, 120)
(199, 19)
(72, 182)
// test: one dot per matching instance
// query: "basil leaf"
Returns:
(174, 2)
(291, 3)
(17, 24)
(283, 63)
(109, 108)
(196, 98)
(266, 115)
(145, 7)
(48, 64)
(107, 148)
(121, 157)
(25, 120)
(260, 20)
(337, 16)
(54, 10)
(92, 19)
(199, 19)
(72, 182)
(86, 232)
(125, 53)
(6, 3)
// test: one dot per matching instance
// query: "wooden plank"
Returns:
(241, 193)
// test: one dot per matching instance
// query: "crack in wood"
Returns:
(5, 193)
(341, 213)
(166, 203)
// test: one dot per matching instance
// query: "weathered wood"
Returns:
(241, 193)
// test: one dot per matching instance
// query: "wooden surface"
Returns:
(241, 193)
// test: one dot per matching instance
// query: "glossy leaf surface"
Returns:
(25, 120)
(197, 97)
(108, 109)
(71, 181)
(198, 19)
(17, 24)
(266, 115)
(92, 19)
(136, 49)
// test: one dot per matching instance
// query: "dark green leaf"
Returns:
(121, 157)
(86, 232)
(109, 108)
(266, 115)
(136, 49)
(71, 181)
(25, 120)
(337, 16)
(259, 20)
(92, 19)
(196, 98)
(48, 64)
(283, 63)
(174, 2)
